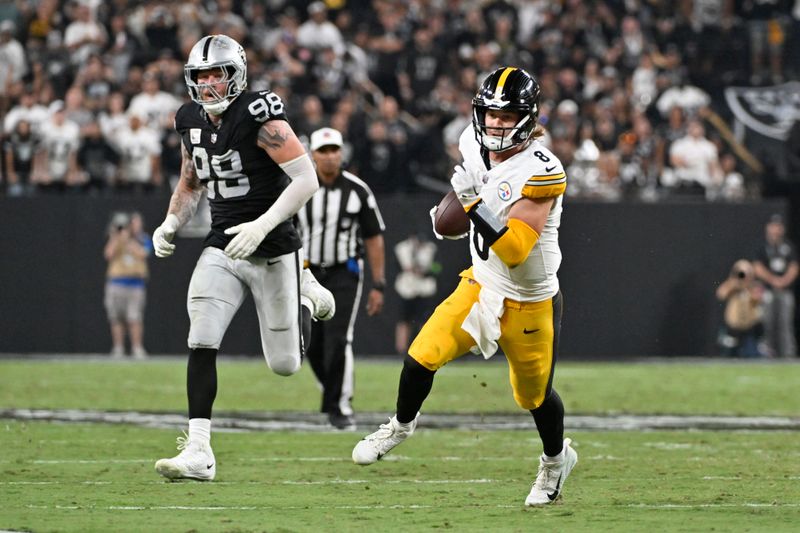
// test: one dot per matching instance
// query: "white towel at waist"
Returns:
(483, 321)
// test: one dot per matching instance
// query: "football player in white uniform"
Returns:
(511, 187)
(239, 147)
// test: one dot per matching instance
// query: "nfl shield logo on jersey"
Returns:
(213, 137)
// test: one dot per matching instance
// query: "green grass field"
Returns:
(100, 477)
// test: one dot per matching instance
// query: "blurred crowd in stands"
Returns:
(631, 89)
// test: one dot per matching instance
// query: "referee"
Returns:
(340, 223)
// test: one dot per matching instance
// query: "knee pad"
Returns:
(204, 332)
(284, 365)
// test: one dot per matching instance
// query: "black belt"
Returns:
(324, 268)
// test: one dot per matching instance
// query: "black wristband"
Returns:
(379, 286)
(486, 223)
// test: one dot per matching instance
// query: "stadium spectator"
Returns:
(379, 159)
(153, 105)
(161, 26)
(126, 252)
(419, 70)
(55, 165)
(230, 130)
(123, 47)
(313, 116)
(75, 107)
(742, 316)
(84, 36)
(776, 265)
(318, 33)
(733, 187)
(617, 59)
(13, 64)
(514, 286)
(94, 80)
(765, 28)
(695, 163)
(331, 78)
(140, 156)
(28, 110)
(19, 149)
(340, 224)
(97, 159)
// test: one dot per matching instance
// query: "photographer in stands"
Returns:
(126, 252)
(742, 329)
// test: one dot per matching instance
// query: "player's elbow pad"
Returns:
(515, 243)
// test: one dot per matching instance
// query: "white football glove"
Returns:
(248, 236)
(467, 185)
(432, 214)
(163, 235)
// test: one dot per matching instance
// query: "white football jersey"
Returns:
(137, 149)
(532, 173)
(154, 108)
(60, 141)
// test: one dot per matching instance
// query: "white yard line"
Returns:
(665, 506)
(313, 422)
(710, 505)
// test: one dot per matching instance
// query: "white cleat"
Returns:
(320, 297)
(196, 461)
(551, 477)
(371, 448)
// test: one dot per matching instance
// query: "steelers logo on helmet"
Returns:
(216, 52)
(506, 89)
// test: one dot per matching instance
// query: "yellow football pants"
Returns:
(529, 339)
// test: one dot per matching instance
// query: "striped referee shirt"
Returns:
(336, 219)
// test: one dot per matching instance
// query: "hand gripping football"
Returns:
(450, 219)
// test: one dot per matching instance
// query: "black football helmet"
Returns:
(507, 89)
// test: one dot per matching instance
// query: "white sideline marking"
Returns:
(388, 458)
(230, 507)
(379, 507)
(286, 482)
(673, 445)
(708, 505)
(86, 461)
(393, 481)
(282, 421)
(55, 482)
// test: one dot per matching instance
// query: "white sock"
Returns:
(555, 459)
(403, 425)
(200, 430)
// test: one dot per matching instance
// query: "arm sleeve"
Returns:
(516, 243)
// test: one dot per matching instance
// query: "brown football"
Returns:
(450, 219)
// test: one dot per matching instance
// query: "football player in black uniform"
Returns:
(239, 147)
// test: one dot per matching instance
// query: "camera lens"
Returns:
(740, 275)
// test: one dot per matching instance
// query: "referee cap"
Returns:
(326, 137)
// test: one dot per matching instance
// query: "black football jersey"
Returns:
(241, 179)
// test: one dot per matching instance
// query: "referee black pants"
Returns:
(330, 352)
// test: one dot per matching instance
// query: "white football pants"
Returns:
(218, 287)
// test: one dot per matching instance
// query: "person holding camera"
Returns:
(126, 251)
(743, 328)
(776, 265)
